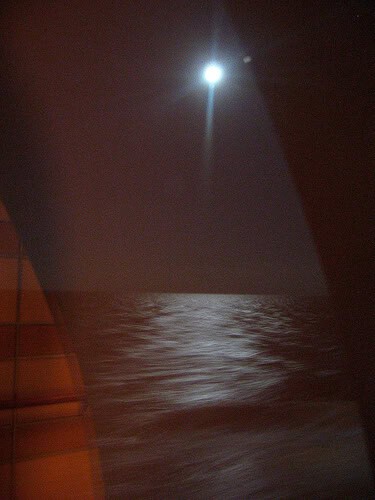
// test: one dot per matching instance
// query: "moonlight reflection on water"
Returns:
(221, 396)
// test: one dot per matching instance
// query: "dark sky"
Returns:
(113, 117)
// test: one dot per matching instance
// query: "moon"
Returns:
(213, 73)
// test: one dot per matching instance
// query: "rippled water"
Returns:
(219, 396)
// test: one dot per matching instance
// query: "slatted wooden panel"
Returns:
(46, 432)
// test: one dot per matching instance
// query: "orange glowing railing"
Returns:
(46, 432)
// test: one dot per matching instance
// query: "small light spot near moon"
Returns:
(247, 59)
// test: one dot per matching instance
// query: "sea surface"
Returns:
(219, 396)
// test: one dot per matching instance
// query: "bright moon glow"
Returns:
(213, 73)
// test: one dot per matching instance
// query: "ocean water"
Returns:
(219, 396)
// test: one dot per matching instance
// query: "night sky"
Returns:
(113, 111)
